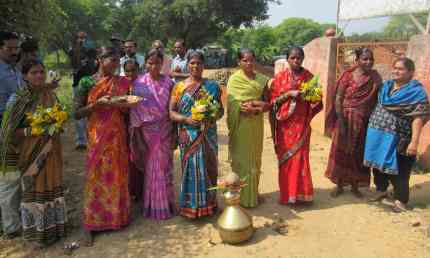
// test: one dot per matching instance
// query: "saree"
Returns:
(390, 127)
(151, 145)
(245, 133)
(345, 165)
(292, 134)
(106, 201)
(198, 147)
(43, 209)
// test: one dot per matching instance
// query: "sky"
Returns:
(322, 11)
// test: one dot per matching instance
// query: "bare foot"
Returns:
(34, 248)
(336, 192)
(399, 207)
(88, 238)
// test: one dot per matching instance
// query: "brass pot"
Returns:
(234, 224)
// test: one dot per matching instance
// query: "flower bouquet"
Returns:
(205, 108)
(311, 91)
(47, 121)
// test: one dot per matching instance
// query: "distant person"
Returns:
(10, 185)
(131, 69)
(394, 132)
(43, 209)
(151, 139)
(82, 55)
(355, 97)
(29, 51)
(246, 92)
(291, 118)
(179, 70)
(106, 200)
(118, 44)
(130, 48)
(167, 61)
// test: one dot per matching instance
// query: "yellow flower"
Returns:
(36, 131)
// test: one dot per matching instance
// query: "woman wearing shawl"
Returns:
(394, 131)
(245, 107)
(197, 141)
(355, 98)
(151, 139)
(106, 201)
(291, 117)
(39, 158)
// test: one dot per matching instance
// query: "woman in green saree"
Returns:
(246, 91)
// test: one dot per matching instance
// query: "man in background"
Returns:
(81, 62)
(167, 61)
(130, 49)
(179, 70)
(10, 191)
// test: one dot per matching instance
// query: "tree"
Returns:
(297, 31)
(402, 27)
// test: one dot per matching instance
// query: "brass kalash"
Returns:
(234, 224)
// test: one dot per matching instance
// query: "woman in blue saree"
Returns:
(394, 130)
(197, 141)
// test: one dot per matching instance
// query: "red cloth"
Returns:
(292, 132)
(345, 166)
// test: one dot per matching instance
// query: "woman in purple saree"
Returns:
(151, 139)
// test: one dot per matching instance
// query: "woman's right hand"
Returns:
(192, 122)
(103, 101)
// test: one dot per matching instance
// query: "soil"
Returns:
(341, 227)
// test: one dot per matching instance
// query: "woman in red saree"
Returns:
(290, 119)
(355, 98)
(106, 201)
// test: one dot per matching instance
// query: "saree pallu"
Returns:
(245, 134)
(345, 166)
(43, 209)
(199, 154)
(151, 137)
(390, 125)
(107, 202)
(292, 133)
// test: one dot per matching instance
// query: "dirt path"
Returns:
(343, 227)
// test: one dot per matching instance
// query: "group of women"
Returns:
(130, 148)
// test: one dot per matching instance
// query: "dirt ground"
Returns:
(342, 227)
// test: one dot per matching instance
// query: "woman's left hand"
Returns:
(411, 150)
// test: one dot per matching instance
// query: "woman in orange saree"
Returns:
(290, 118)
(106, 202)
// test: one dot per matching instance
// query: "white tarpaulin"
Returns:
(362, 9)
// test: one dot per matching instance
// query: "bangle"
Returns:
(27, 131)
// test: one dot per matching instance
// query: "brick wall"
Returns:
(320, 59)
(419, 51)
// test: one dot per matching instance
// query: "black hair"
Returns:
(131, 61)
(196, 53)
(407, 62)
(91, 53)
(105, 52)
(361, 51)
(30, 45)
(241, 53)
(154, 52)
(7, 35)
(28, 64)
(295, 48)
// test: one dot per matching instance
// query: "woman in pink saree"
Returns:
(151, 139)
